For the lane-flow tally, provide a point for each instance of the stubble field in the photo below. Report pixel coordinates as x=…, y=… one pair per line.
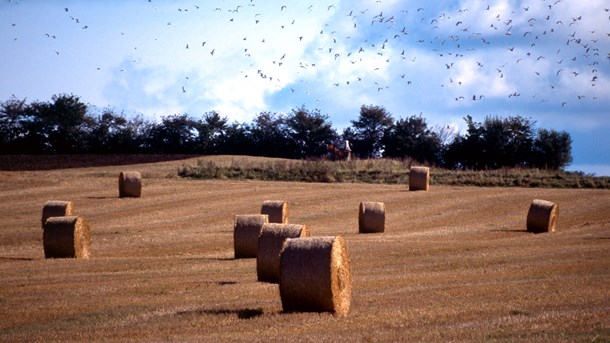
x=454, y=264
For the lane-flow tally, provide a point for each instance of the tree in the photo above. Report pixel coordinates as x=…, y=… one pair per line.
x=269, y=135
x=113, y=133
x=211, y=130
x=12, y=132
x=552, y=149
x=495, y=143
x=411, y=137
x=174, y=135
x=237, y=140
x=56, y=127
x=367, y=132
x=508, y=141
x=309, y=132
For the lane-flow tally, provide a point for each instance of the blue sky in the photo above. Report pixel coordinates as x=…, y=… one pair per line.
x=547, y=60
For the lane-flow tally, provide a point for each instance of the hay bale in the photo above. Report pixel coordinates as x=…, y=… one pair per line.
x=246, y=230
x=419, y=179
x=66, y=237
x=130, y=184
x=277, y=211
x=56, y=208
x=371, y=217
x=315, y=275
x=542, y=216
x=270, y=244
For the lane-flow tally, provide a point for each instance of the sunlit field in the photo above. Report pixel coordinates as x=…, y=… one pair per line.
x=454, y=264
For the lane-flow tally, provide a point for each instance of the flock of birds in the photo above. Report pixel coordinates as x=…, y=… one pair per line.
x=371, y=43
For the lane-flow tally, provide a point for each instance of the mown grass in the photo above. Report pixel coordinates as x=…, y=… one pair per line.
x=454, y=264
x=383, y=171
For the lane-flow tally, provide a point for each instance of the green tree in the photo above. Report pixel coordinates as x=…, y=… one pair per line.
x=269, y=136
x=552, y=149
x=237, y=140
x=113, y=133
x=211, y=131
x=12, y=133
x=495, y=143
x=58, y=126
x=176, y=134
x=367, y=132
x=411, y=137
x=508, y=141
x=309, y=132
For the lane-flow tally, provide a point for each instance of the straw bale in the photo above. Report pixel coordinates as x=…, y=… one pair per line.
x=130, y=184
x=315, y=275
x=270, y=244
x=56, y=208
x=67, y=237
x=542, y=216
x=246, y=230
x=419, y=179
x=277, y=211
x=371, y=217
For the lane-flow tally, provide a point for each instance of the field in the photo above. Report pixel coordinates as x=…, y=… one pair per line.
x=454, y=264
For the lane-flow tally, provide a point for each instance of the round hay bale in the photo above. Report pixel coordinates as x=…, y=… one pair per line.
x=371, y=217
x=315, y=275
x=67, y=237
x=277, y=211
x=270, y=244
x=130, y=184
x=542, y=216
x=56, y=208
x=419, y=179
x=246, y=230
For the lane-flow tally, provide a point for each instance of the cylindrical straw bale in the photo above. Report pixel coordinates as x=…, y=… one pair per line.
x=371, y=217
x=67, y=237
x=270, y=244
x=419, y=179
x=130, y=184
x=542, y=216
x=277, y=211
x=56, y=208
x=245, y=234
x=315, y=275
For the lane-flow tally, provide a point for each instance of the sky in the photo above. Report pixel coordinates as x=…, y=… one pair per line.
x=548, y=60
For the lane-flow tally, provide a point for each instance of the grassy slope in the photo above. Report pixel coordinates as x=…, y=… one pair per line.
x=454, y=263
x=379, y=171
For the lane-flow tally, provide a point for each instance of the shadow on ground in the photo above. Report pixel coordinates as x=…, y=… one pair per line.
x=246, y=313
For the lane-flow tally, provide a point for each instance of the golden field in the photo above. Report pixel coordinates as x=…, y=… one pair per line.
x=454, y=263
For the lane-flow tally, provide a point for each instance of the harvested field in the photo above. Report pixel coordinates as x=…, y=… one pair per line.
x=454, y=263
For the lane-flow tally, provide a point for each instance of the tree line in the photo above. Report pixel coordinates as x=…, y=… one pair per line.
x=65, y=125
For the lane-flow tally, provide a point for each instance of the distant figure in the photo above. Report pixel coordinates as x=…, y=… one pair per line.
x=339, y=150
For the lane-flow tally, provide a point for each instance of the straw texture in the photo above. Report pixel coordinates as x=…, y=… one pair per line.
x=542, y=216
x=315, y=275
x=246, y=230
x=67, y=237
x=277, y=211
x=56, y=208
x=371, y=217
x=270, y=244
x=419, y=179
x=130, y=184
